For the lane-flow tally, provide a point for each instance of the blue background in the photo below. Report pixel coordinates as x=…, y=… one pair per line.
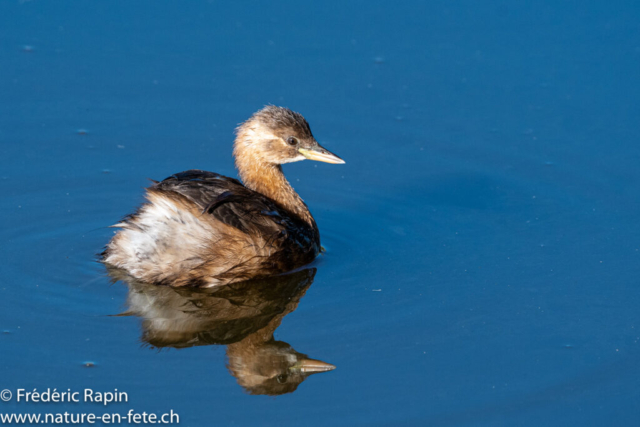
x=483, y=238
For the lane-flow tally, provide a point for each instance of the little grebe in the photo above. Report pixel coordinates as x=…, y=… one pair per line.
x=203, y=229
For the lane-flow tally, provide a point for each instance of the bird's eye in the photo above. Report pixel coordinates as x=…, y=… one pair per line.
x=292, y=140
x=282, y=378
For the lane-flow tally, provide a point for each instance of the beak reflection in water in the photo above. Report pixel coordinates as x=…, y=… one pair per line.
x=243, y=316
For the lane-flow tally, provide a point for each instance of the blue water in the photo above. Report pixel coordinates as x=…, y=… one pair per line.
x=483, y=238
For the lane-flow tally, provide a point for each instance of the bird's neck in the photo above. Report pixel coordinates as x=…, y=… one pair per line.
x=268, y=179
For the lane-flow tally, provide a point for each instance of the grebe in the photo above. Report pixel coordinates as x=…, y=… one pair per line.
x=203, y=229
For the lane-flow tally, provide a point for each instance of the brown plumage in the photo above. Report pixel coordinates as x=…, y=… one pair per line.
x=203, y=229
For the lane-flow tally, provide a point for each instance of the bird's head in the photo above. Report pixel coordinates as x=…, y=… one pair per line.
x=277, y=135
x=272, y=368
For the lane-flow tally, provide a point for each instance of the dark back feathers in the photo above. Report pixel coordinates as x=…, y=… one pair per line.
x=230, y=202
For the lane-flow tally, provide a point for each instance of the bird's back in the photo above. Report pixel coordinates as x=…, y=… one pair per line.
x=202, y=228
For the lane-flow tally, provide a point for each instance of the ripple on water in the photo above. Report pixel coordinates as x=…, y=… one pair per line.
x=52, y=249
x=64, y=228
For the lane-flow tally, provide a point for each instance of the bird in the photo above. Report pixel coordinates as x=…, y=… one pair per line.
x=243, y=316
x=203, y=229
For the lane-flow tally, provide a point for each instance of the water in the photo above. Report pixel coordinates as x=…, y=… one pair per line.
x=482, y=240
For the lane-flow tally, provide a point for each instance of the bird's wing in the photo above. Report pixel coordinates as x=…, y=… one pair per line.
x=201, y=187
x=230, y=202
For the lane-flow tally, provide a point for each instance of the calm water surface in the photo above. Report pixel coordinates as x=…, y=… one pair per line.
x=483, y=242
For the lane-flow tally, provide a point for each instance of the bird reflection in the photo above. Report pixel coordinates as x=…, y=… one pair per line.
x=243, y=316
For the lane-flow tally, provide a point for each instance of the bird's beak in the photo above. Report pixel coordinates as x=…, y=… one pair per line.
x=312, y=366
x=320, y=154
